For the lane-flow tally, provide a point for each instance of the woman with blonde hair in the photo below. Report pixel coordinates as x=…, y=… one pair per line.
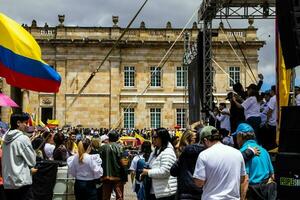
x=85, y=168
x=187, y=138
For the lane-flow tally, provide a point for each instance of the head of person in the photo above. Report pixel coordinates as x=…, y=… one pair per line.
x=84, y=146
x=238, y=87
x=222, y=106
x=209, y=136
x=146, y=149
x=160, y=139
x=229, y=96
x=197, y=127
x=59, y=139
x=96, y=142
x=266, y=95
x=48, y=136
x=187, y=138
x=113, y=136
x=243, y=133
x=72, y=136
x=19, y=121
x=273, y=90
x=252, y=90
x=104, y=139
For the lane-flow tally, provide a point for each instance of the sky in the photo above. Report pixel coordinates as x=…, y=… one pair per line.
x=156, y=13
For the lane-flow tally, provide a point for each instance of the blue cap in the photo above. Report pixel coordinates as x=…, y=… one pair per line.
x=243, y=128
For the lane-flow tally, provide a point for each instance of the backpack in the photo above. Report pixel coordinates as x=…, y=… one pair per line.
x=140, y=165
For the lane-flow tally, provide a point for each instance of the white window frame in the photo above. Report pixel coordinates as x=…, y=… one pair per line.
x=181, y=76
x=128, y=117
x=155, y=76
x=181, y=117
x=129, y=76
x=235, y=74
x=155, y=117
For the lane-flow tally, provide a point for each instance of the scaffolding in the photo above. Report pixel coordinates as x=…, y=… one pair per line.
x=225, y=9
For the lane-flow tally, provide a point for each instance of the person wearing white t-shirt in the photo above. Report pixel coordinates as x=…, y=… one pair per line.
x=49, y=145
x=220, y=169
x=271, y=120
x=224, y=117
x=251, y=107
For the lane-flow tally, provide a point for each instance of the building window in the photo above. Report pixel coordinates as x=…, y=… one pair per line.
x=180, y=117
x=129, y=76
x=155, y=76
x=155, y=117
x=234, y=73
x=128, y=117
x=181, y=76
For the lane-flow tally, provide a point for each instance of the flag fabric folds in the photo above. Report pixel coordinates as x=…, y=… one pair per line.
x=20, y=59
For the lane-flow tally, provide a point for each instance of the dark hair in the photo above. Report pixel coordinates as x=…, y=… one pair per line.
x=223, y=104
x=113, y=136
x=146, y=149
x=165, y=138
x=273, y=88
x=59, y=139
x=254, y=92
x=15, y=117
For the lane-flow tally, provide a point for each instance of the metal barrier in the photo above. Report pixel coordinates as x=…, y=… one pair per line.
x=64, y=187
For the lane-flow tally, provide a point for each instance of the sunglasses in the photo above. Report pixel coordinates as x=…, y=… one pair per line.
x=154, y=136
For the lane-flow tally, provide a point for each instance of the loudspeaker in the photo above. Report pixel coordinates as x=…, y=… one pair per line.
x=288, y=21
x=287, y=174
x=289, y=140
x=195, y=81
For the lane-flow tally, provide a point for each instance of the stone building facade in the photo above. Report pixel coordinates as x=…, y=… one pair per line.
x=117, y=96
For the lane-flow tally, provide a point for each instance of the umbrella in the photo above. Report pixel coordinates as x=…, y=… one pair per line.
x=7, y=101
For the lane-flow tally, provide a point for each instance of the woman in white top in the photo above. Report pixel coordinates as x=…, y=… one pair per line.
x=164, y=186
x=85, y=168
x=251, y=107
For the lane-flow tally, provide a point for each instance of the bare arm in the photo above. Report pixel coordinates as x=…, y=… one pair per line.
x=244, y=186
x=199, y=182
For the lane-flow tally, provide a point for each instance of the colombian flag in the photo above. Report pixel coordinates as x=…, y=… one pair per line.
x=20, y=59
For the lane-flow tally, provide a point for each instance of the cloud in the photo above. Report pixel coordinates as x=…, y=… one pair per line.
x=155, y=14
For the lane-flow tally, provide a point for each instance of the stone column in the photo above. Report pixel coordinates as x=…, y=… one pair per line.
x=60, y=99
x=115, y=81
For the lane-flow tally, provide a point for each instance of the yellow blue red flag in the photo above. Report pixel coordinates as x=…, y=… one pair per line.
x=20, y=59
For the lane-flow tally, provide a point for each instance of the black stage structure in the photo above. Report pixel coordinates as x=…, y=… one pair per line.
x=221, y=9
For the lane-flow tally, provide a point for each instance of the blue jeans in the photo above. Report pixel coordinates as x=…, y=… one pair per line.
x=85, y=190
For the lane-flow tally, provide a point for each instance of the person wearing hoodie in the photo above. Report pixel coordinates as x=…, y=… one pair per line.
x=18, y=159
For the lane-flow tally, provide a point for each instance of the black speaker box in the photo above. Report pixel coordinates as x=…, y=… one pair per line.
x=288, y=20
x=287, y=174
x=289, y=140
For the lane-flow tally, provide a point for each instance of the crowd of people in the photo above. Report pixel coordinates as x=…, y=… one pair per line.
x=226, y=159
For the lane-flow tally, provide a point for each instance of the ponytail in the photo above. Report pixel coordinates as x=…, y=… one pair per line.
x=82, y=148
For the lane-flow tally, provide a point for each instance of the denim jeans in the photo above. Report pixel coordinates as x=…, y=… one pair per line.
x=85, y=190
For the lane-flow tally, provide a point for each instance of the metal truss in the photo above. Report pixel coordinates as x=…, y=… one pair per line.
x=230, y=9
x=262, y=12
x=207, y=68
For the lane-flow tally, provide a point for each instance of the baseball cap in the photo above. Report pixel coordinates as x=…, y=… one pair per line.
x=207, y=131
x=243, y=128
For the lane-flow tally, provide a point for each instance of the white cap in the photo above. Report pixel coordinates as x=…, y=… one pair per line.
x=103, y=137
